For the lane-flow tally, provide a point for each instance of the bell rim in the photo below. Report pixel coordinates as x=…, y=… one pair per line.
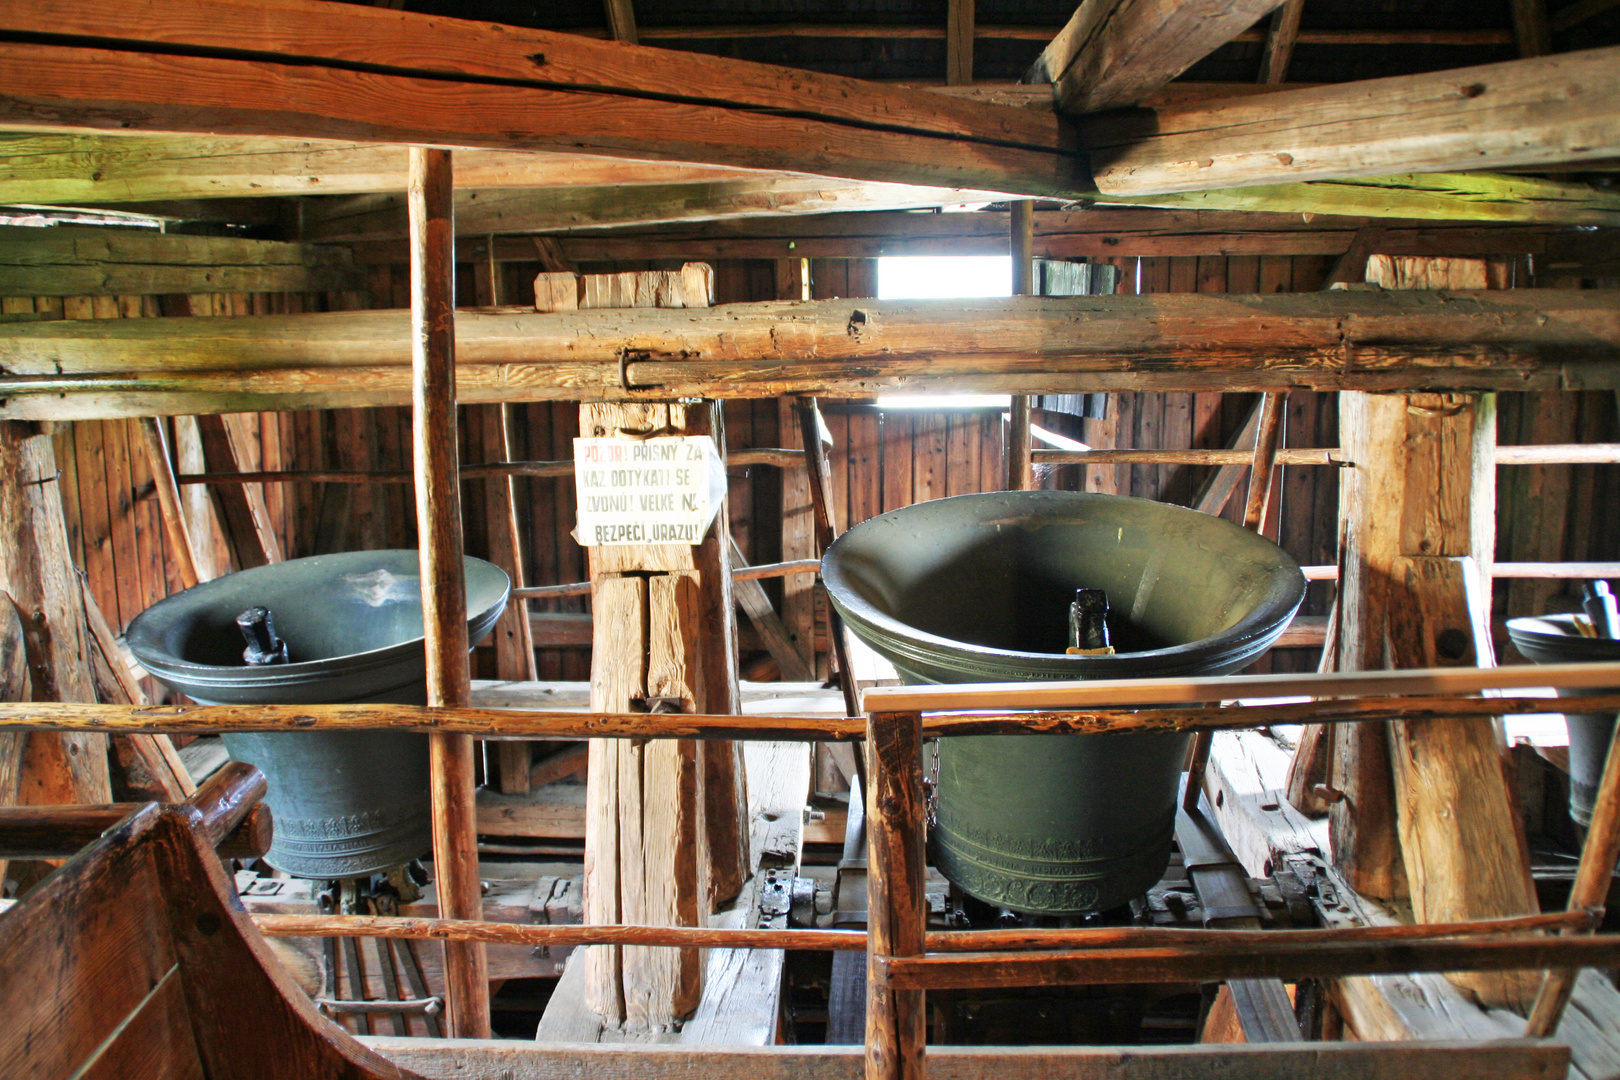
x=912, y=646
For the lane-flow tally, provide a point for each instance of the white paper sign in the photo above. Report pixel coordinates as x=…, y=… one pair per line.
x=651, y=491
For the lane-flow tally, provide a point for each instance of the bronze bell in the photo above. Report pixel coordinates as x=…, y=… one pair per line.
x=329, y=629
x=1555, y=639
x=978, y=588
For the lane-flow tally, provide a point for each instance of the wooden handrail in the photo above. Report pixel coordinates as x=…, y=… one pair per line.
x=1114, y=693
x=502, y=933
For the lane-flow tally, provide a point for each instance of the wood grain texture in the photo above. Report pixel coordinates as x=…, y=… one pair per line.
x=1519, y=339
x=444, y=595
x=663, y=105
x=895, y=1019
x=1521, y=112
x=1114, y=53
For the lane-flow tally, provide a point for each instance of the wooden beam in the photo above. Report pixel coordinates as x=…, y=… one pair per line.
x=1441, y=196
x=290, y=73
x=1522, y=112
x=242, y=509
x=83, y=261
x=959, y=38
x=155, y=438
x=555, y=209
x=1531, y=31
x=77, y=170
x=1280, y=40
x=1574, y=14
x=444, y=591
x=896, y=1021
x=1516, y=339
x=1114, y=53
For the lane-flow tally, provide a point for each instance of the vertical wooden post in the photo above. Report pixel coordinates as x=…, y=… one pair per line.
x=1419, y=502
x=656, y=836
x=444, y=589
x=1021, y=243
x=514, y=640
x=896, y=1028
x=959, y=36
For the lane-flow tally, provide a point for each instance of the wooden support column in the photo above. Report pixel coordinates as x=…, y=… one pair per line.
x=1021, y=243
x=826, y=521
x=663, y=828
x=444, y=588
x=895, y=1019
x=798, y=542
x=14, y=686
x=1418, y=503
x=36, y=571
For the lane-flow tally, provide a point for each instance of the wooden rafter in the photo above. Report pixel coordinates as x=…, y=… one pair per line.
x=1114, y=53
x=1281, y=38
x=1520, y=112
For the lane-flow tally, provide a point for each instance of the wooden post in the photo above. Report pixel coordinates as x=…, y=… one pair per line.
x=895, y=1019
x=444, y=591
x=1419, y=502
x=826, y=522
x=663, y=817
x=1021, y=243
x=14, y=686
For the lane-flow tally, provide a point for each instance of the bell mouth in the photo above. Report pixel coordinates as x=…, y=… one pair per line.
x=976, y=587
x=1555, y=639
x=353, y=622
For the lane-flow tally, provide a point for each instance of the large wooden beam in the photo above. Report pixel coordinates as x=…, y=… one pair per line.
x=69, y=169
x=1522, y=112
x=1518, y=339
x=293, y=72
x=69, y=261
x=517, y=210
x=1102, y=232
x=1114, y=53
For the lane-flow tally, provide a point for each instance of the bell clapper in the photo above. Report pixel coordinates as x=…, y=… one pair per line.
x=263, y=646
x=1088, y=626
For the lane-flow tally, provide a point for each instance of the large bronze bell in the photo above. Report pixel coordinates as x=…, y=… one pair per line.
x=1554, y=639
x=346, y=804
x=977, y=588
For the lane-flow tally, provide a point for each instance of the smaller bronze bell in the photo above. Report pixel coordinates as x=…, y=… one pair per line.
x=346, y=804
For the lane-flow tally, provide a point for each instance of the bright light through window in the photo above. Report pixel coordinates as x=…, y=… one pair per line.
x=943, y=277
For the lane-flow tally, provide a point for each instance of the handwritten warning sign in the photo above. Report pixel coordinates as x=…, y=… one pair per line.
x=653, y=491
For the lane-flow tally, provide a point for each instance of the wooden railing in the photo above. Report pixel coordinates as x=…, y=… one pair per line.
x=903, y=959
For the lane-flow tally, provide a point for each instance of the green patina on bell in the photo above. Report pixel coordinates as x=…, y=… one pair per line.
x=978, y=588
x=1554, y=639
x=345, y=804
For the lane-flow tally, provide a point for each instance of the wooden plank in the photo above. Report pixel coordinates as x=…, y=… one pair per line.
x=1456, y=1060
x=1521, y=112
x=15, y=685
x=243, y=512
x=1114, y=53
x=798, y=542
x=444, y=601
x=621, y=17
